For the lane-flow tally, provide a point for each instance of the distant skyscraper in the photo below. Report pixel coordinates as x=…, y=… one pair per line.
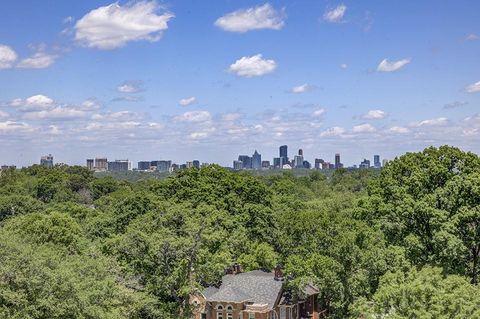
x=318, y=163
x=298, y=161
x=338, y=163
x=164, y=166
x=277, y=162
x=101, y=164
x=306, y=164
x=265, y=164
x=300, y=152
x=376, y=161
x=47, y=160
x=364, y=164
x=284, y=151
x=256, y=160
x=384, y=162
x=119, y=166
x=90, y=164
x=237, y=165
x=246, y=160
x=196, y=163
x=143, y=165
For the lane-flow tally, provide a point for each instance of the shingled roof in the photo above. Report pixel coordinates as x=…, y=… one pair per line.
x=258, y=287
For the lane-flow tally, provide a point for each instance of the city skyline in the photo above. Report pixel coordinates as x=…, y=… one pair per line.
x=197, y=80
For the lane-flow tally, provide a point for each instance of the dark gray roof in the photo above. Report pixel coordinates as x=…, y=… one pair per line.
x=209, y=291
x=256, y=286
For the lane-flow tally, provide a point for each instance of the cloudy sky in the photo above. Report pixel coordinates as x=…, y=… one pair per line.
x=209, y=80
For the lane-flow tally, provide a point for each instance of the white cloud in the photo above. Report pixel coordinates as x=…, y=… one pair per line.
x=391, y=66
x=130, y=87
x=4, y=115
x=121, y=116
x=318, y=113
x=187, y=101
x=439, y=121
x=301, y=88
x=198, y=135
x=333, y=131
x=336, y=14
x=11, y=126
x=39, y=60
x=253, y=66
x=89, y=105
x=260, y=17
x=230, y=117
x=472, y=37
x=343, y=65
x=194, y=116
x=57, y=113
x=375, y=115
x=112, y=26
x=7, y=57
x=398, y=130
x=33, y=103
x=363, y=128
x=473, y=88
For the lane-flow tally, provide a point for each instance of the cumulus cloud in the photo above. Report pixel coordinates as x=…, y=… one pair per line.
x=398, y=130
x=318, y=113
x=113, y=26
x=391, y=66
x=187, y=101
x=375, y=115
x=123, y=116
x=363, y=128
x=260, y=17
x=472, y=37
x=7, y=57
x=89, y=105
x=333, y=131
x=473, y=88
x=4, y=115
x=336, y=14
x=57, y=113
x=301, y=88
x=194, y=116
x=33, y=103
x=39, y=60
x=439, y=121
x=12, y=126
x=343, y=65
x=250, y=66
x=230, y=117
x=130, y=87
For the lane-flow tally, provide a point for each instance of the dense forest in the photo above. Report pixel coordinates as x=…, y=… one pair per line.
x=404, y=243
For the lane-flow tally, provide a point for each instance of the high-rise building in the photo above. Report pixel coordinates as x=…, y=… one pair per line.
x=119, y=166
x=338, y=163
x=101, y=164
x=189, y=164
x=284, y=151
x=256, y=160
x=265, y=164
x=277, y=162
x=300, y=152
x=246, y=160
x=384, y=162
x=143, y=165
x=298, y=161
x=196, y=163
x=47, y=160
x=318, y=163
x=306, y=164
x=237, y=165
x=90, y=164
x=376, y=161
x=364, y=164
x=164, y=166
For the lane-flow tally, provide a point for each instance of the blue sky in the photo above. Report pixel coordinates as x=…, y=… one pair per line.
x=209, y=80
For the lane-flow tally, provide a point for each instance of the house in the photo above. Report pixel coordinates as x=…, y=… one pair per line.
x=255, y=294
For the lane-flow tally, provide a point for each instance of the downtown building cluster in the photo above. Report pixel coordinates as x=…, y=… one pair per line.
x=297, y=162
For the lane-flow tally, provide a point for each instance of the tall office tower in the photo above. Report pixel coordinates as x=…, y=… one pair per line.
x=265, y=164
x=164, y=166
x=307, y=165
x=298, y=161
x=376, y=161
x=338, y=164
x=47, y=160
x=196, y=163
x=119, y=166
x=90, y=164
x=318, y=163
x=300, y=152
x=384, y=162
x=276, y=162
x=101, y=164
x=237, y=165
x=256, y=160
x=365, y=163
x=143, y=165
x=246, y=160
x=189, y=164
x=284, y=151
